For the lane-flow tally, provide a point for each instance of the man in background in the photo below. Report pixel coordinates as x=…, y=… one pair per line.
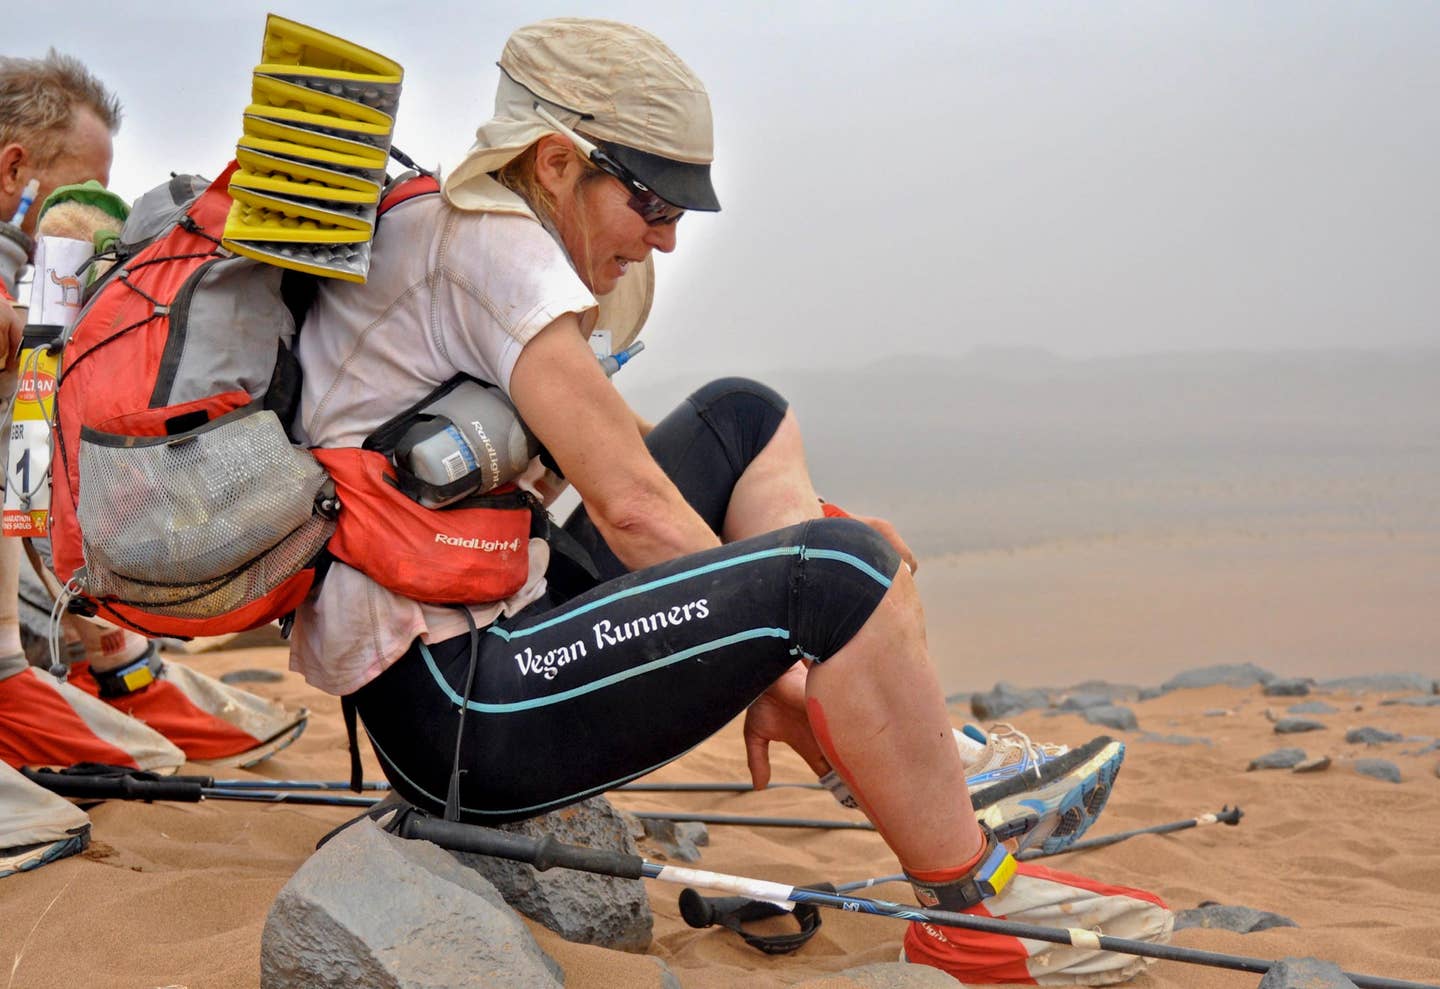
x=56, y=121
x=56, y=124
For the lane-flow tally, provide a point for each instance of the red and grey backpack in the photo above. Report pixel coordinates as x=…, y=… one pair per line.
x=180, y=505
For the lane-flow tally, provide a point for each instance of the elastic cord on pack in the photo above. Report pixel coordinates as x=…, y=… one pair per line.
x=59, y=662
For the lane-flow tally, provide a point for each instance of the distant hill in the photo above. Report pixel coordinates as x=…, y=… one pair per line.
x=1013, y=446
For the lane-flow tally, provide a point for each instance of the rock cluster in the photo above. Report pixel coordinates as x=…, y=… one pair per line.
x=1099, y=703
x=372, y=909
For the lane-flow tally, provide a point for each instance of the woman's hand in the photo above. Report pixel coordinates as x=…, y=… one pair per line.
x=778, y=715
x=892, y=536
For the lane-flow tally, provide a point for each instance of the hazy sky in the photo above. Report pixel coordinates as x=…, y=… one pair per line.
x=927, y=178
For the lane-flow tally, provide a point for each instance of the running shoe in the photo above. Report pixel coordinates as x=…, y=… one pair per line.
x=1005, y=751
x=1050, y=808
x=989, y=758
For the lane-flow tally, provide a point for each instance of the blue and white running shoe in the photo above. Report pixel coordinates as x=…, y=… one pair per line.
x=1049, y=807
x=1003, y=752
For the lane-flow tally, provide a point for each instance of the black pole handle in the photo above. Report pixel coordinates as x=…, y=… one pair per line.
x=116, y=787
x=542, y=853
x=705, y=911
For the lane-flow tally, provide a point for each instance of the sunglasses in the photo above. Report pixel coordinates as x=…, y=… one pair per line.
x=643, y=200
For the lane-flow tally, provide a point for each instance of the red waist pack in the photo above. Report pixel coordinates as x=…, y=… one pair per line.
x=474, y=551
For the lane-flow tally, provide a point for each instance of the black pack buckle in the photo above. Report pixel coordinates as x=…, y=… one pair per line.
x=735, y=911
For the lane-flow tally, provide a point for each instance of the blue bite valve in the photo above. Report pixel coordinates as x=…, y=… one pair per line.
x=615, y=362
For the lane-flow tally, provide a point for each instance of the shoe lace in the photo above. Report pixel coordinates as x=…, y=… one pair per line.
x=1009, y=739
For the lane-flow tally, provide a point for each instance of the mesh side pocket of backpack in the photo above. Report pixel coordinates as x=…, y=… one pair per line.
x=199, y=524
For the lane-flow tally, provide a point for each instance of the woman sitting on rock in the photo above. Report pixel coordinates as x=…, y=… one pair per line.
x=723, y=586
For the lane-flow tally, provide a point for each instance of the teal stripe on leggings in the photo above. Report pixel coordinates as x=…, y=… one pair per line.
x=801, y=551
x=736, y=561
x=857, y=563
x=565, y=695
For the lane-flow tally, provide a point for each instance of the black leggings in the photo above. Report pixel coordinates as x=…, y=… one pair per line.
x=571, y=699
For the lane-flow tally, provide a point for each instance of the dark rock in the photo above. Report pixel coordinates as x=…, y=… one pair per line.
x=1293, y=726
x=1006, y=699
x=1311, y=707
x=1111, y=691
x=1434, y=746
x=884, y=975
x=1218, y=712
x=369, y=909
x=1218, y=916
x=1229, y=675
x=633, y=825
x=1380, y=769
x=579, y=906
x=674, y=840
x=1382, y=683
x=1420, y=700
x=1151, y=736
x=1150, y=693
x=1305, y=973
x=1112, y=716
x=1279, y=759
x=252, y=676
x=1291, y=687
x=1371, y=736
x=1081, y=702
x=1315, y=765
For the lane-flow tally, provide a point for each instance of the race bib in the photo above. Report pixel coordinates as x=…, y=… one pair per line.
x=27, y=467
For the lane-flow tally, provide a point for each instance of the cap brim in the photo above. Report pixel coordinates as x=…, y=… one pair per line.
x=679, y=183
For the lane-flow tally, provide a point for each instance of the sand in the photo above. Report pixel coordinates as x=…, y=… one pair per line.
x=176, y=894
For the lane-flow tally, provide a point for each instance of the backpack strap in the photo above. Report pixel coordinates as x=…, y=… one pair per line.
x=407, y=189
x=357, y=772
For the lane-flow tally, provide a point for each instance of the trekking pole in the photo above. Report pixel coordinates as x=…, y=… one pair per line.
x=100, y=770
x=1229, y=815
x=370, y=785
x=1226, y=815
x=1004, y=831
x=736, y=787
x=546, y=853
x=288, y=797
x=181, y=789
x=755, y=822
